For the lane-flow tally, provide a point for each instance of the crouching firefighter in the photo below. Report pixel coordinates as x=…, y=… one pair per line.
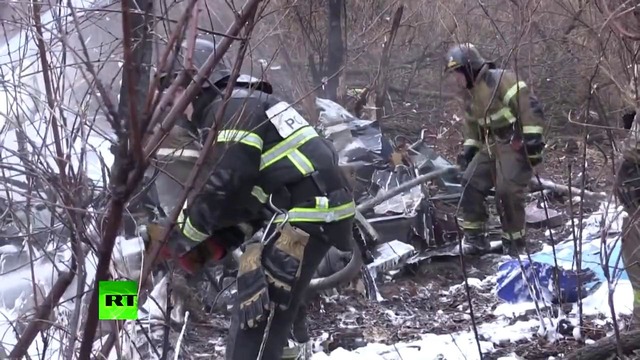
x=503, y=130
x=627, y=189
x=268, y=165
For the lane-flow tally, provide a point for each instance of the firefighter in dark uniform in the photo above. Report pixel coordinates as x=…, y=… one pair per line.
x=503, y=130
x=266, y=157
x=627, y=189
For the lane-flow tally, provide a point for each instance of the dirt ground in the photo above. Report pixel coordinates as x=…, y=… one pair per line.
x=418, y=300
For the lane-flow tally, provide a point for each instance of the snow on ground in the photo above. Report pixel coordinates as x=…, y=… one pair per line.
x=16, y=293
x=463, y=345
x=507, y=325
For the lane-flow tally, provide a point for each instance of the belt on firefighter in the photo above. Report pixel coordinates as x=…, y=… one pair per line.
x=322, y=209
x=316, y=198
x=502, y=134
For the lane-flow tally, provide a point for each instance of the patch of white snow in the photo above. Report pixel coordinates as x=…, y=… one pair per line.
x=461, y=346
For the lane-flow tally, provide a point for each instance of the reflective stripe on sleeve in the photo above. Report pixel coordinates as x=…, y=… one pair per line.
x=472, y=142
x=241, y=136
x=532, y=129
x=513, y=91
x=178, y=153
x=188, y=230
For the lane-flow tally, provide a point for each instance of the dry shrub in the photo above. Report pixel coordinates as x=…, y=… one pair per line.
x=559, y=47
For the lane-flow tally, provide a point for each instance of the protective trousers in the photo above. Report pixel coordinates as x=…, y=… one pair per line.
x=628, y=191
x=333, y=261
x=509, y=171
x=244, y=344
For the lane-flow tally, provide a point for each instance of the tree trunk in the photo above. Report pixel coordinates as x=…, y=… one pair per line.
x=606, y=348
x=335, y=48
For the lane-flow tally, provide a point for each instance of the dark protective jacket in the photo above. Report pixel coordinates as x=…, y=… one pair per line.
x=264, y=147
x=496, y=101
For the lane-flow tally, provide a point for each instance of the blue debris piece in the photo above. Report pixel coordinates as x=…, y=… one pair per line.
x=542, y=274
x=542, y=278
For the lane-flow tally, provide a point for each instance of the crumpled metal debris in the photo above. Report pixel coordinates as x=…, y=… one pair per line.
x=377, y=165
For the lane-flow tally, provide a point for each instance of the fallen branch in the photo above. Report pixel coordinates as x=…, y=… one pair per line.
x=41, y=319
x=606, y=348
x=536, y=183
x=382, y=196
x=565, y=190
x=181, y=336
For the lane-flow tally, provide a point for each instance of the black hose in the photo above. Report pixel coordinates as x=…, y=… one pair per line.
x=346, y=274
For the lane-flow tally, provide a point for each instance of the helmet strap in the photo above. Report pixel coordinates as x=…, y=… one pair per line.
x=468, y=75
x=472, y=75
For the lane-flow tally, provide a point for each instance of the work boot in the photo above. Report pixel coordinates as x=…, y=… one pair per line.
x=300, y=330
x=475, y=242
x=513, y=247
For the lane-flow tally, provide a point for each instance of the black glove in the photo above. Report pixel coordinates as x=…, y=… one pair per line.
x=253, y=291
x=534, y=146
x=470, y=152
x=467, y=154
x=283, y=263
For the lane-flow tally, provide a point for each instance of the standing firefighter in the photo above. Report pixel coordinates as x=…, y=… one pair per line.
x=503, y=139
x=268, y=164
x=627, y=188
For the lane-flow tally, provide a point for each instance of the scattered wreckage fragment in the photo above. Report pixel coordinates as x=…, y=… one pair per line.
x=414, y=217
x=420, y=221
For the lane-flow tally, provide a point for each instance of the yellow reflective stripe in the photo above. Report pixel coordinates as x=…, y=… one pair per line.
x=322, y=202
x=190, y=231
x=636, y=297
x=515, y=235
x=473, y=225
x=513, y=91
x=260, y=194
x=241, y=136
x=535, y=156
x=472, y=142
x=532, y=129
x=504, y=113
x=301, y=162
x=286, y=146
x=333, y=214
x=178, y=153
